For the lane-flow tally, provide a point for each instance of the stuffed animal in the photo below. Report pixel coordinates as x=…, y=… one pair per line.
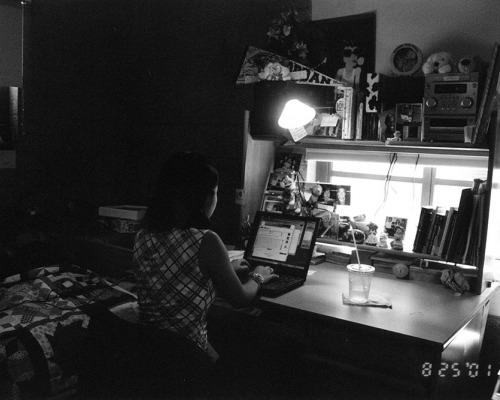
x=291, y=196
x=274, y=71
x=438, y=63
x=468, y=64
x=316, y=191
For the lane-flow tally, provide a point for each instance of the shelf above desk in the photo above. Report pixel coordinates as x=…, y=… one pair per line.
x=374, y=249
x=462, y=149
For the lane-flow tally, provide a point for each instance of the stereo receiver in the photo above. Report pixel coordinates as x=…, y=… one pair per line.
x=450, y=103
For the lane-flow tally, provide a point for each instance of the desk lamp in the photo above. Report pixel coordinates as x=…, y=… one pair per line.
x=296, y=114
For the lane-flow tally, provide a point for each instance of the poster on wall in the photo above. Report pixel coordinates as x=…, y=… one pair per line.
x=343, y=48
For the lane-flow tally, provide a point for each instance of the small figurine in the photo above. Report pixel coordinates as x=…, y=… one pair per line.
x=397, y=243
x=382, y=241
x=390, y=126
x=372, y=239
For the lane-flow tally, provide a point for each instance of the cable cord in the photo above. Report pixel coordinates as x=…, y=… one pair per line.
x=393, y=158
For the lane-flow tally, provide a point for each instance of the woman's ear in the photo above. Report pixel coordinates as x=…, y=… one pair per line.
x=360, y=61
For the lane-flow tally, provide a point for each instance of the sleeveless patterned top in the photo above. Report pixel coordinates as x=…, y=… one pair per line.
x=172, y=292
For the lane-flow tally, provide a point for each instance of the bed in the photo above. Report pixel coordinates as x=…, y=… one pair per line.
x=44, y=316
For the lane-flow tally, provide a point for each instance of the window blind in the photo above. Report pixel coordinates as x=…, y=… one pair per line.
x=425, y=159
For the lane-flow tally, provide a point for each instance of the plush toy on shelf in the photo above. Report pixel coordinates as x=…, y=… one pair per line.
x=291, y=196
x=316, y=191
x=438, y=63
x=274, y=71
x=468, y=64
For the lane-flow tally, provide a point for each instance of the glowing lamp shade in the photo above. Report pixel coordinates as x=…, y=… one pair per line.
x=296, y=114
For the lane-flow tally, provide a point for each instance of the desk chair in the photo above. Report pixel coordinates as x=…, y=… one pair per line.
x=129, y=361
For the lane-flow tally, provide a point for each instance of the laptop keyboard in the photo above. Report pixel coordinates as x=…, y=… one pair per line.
x=281, y=282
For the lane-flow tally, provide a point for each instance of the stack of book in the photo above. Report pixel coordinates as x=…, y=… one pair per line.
x=434, y=230
x=453, y=234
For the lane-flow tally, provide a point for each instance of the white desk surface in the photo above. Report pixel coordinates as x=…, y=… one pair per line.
x=422, y=311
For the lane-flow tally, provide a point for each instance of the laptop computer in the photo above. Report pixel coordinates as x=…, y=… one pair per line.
x=286, y=244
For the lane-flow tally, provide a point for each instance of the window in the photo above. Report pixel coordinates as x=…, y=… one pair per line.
x=398, y=185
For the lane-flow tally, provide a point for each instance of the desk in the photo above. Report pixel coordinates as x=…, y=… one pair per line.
x=429, y=341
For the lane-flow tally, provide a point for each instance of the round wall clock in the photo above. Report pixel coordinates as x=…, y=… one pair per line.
x=406, y=59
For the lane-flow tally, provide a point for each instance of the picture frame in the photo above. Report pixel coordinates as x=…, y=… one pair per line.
x=391, y=222
x=270, y=204
x=409, y=119
x=325, y=123
x=331, y=196
x=484, y=114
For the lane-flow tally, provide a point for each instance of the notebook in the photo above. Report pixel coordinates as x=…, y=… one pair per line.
x=286, y=244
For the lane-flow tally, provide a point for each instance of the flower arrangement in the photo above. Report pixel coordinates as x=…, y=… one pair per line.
x=285, y=36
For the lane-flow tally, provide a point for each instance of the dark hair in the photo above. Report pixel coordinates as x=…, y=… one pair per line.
x=186, y=180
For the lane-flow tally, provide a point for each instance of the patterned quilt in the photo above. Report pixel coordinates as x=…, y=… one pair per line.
x=43, y=318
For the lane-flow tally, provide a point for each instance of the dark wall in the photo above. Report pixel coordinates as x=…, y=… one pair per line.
x=112, y=87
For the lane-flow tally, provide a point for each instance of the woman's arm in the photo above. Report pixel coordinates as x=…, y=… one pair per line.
x=214, y=260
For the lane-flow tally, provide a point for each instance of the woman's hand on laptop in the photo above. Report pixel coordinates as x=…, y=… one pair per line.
x=266, y=272
x=241, y=267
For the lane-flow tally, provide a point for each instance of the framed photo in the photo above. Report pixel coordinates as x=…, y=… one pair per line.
x=392, y=222
x=325, y=123
x=272, y=205
x=484, y=113
x=409, y=121
x=332, y=195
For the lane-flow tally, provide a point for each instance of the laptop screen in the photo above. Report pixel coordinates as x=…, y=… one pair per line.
x=282, y=240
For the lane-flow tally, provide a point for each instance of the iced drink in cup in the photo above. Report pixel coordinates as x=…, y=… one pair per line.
x=360, y=279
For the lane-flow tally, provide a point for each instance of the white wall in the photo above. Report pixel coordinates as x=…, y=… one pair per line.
x=461, y=27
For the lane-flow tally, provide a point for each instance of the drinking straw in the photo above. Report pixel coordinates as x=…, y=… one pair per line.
x=355, y=247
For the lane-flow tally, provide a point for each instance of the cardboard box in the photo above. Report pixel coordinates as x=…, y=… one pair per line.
x=124, y=225
x=134, y=213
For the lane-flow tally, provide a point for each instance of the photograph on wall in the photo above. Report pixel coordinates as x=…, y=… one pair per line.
x=409, y=120
x=391, y=223
x=342, y=48
x=331, y=195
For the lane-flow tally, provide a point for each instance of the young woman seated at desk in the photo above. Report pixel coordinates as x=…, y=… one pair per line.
x=181, y=262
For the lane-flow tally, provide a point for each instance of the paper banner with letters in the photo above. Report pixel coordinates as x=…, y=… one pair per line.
x=260, y=65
